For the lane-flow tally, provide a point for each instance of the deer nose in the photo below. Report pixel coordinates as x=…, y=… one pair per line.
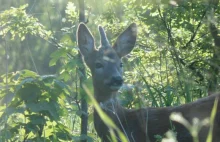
x=117, y=80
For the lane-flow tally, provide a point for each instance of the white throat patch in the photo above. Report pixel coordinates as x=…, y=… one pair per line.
x=108, y=105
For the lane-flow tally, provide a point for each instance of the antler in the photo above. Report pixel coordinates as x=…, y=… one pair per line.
x=104, y=40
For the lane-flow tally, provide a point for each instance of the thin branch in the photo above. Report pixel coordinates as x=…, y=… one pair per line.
x=173, y=52
x=195, y=32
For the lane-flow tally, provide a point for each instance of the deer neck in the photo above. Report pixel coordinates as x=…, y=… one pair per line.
x=107, y=100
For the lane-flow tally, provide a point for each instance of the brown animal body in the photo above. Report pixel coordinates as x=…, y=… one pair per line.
x=138, y=125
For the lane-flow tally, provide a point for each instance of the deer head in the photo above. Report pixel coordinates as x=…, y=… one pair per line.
x=105, y=62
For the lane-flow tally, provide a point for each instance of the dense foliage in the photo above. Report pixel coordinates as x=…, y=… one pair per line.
x=175, y=61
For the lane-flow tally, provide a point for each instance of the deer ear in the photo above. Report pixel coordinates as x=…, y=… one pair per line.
x=126, y=41
x=85, y=40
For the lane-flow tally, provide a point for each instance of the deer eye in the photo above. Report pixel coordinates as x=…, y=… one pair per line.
x=121, y=65
x=98, y=65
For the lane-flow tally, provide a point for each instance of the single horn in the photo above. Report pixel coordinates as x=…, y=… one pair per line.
x=104, y=40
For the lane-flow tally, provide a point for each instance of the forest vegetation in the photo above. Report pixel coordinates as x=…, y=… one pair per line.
x=175, y=61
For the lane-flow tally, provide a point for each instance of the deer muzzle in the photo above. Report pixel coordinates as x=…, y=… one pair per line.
x=115, y=83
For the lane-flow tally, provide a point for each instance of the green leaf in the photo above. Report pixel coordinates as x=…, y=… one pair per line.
x=53, y=62
x=61, y=52
x=49, y=107
x=36, y=119
x=56, y=55
x=30, y=92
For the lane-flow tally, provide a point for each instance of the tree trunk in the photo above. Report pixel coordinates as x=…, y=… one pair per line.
x=84, y=106
x=215, y=61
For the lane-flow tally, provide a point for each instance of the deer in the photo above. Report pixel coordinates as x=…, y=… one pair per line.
x=138, y=125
